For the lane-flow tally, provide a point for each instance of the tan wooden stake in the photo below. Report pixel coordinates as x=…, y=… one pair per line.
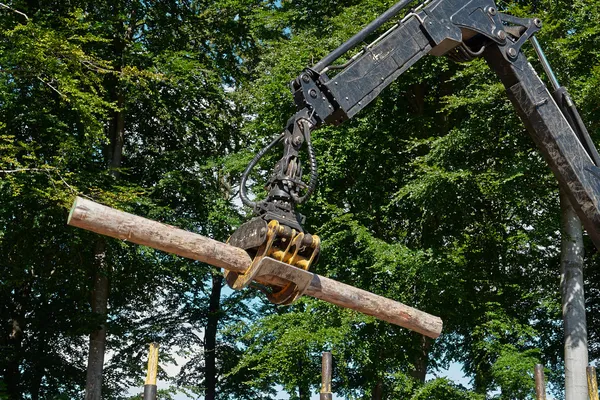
x=540, y=382
x=592, y=383
x=150, y=387
x=107, y=221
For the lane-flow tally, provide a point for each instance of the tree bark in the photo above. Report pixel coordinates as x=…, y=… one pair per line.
x=38, y=372
x=421, y=359
x=100, y=291
x=378, y=391
x=97, y=344
x=573, y=303
x=303, y=392
x=210, y=338
x=13, y=374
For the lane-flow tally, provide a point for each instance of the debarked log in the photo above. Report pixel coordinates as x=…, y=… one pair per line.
x=108, y=221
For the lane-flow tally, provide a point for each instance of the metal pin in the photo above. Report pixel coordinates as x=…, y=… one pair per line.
x=545, y=63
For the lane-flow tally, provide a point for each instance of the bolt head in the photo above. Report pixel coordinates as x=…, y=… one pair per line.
x=501, y=35
x=305, y=78
x=512, y=52
x=538, y=22
x=313, y=93
x=492, y=11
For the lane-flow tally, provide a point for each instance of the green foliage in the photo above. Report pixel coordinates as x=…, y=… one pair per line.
x=69, y=75
x=434, y=196
x=512, y=372
x=442, y=388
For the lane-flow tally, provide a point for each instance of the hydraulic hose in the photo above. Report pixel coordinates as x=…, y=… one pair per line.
x=251, y=166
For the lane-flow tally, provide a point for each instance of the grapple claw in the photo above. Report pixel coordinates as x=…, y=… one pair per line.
x=277, y=250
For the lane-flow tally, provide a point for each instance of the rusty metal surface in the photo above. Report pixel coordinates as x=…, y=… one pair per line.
x=326, y=372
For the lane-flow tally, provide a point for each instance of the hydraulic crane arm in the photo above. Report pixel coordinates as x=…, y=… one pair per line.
x=461, y=30
x=556, y=128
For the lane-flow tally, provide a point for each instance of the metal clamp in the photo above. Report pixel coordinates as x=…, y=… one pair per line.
x=290, y=263
x=239, y=281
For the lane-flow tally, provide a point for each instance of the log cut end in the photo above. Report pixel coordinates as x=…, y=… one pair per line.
x=72, y=211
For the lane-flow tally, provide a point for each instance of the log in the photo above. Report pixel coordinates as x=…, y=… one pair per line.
x=108, y=221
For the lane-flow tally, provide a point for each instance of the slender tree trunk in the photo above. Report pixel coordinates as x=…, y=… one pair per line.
x=210, y=338
x=421, y=359
x=100, y=291
x=303, y=393
x=97, y=345
x=36, y=381
x=378, y=391
x=15, y=340
x=573, y=303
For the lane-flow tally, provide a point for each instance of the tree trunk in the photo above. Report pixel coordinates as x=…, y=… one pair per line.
x=573, y=303
x=100, y=291
x=36, y=381
x=303, y=393
x=97, y=218
x=378, y=391
x=421, y=359
x=97, y=345
x=13, y=374
x=210, y=338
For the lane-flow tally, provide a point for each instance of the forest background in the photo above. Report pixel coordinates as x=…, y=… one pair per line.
x=434, y=196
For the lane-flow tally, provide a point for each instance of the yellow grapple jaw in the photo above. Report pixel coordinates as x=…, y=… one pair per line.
x=277, y=250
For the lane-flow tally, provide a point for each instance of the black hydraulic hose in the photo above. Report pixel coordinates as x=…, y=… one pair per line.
x=360, y=36
x=312, y=185
x=249, y=168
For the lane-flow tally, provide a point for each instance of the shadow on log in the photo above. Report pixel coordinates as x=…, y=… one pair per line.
x=107, y=221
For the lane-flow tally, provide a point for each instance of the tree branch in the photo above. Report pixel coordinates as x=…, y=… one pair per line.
x=46, y=171
x=13, y=171
x=13, y=10
x=50, y=86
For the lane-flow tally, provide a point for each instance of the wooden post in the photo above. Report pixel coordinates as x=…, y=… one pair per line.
x=104, y=220
x=592, y=383
x=150, y=388
x=326, y=372
x=540, y=382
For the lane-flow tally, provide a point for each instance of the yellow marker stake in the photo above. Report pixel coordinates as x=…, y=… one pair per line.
x=150, y=386
x=592, y=383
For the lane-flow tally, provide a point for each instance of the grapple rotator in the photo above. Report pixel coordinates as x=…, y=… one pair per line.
x=275, y=238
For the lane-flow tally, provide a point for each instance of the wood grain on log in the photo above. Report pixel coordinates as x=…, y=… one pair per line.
x=107, y=221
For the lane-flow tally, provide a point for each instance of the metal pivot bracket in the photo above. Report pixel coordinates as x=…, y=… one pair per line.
x=522, y=30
